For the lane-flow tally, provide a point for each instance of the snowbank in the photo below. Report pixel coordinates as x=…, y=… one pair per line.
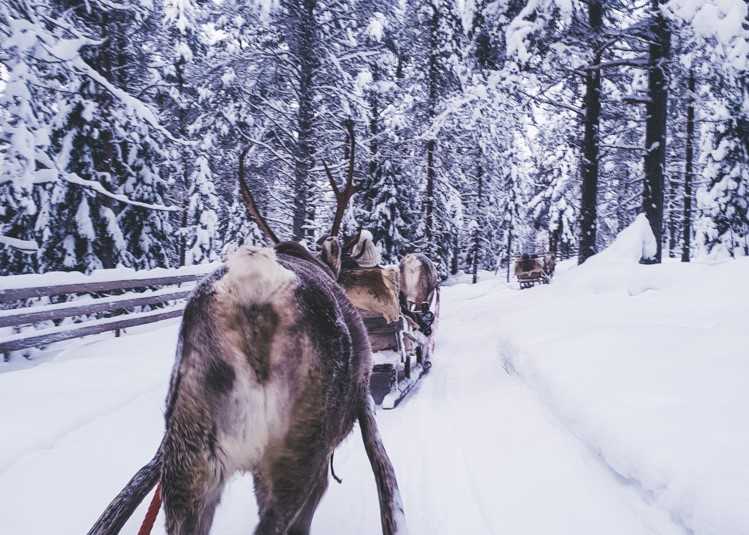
x=634, y=242
x=647, y=365
x=617, y=268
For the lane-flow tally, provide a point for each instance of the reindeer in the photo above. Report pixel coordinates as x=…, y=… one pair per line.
x=549, y=262
x=272, y=371
x=419, y=290
x=530, y=269
x=419, y=279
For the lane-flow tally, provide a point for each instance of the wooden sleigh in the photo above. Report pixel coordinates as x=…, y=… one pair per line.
x=532, y=269
x=401, y=350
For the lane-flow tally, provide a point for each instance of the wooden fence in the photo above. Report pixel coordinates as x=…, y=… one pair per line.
x=168, y=292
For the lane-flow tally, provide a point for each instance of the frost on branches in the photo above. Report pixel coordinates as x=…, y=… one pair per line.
x=202, y=217
x=74, y=141
x=121, y=126
x=236, y=230
x=723, y=225
x=388, y=219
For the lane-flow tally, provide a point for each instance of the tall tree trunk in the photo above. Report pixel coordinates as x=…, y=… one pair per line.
x=655, y=134
x=554, y=236
x=455, y=260
x=108, y=156
x=431, y=143
x=686, y=232
x=429, y=199
x=588, y=205
x=182, y=125
x=374, y=127
x=673, y=210
x=509, y=252
x=305, y=51
x=479, y=220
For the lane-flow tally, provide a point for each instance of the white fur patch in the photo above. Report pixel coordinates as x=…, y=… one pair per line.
x=254, y=275
x=411, y=272
x=261, y=417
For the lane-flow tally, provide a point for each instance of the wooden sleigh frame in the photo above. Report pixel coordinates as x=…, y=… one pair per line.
x=401, y=353
x=533, y=273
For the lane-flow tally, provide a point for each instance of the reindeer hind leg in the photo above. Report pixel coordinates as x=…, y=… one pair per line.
x=290, y=495
x=303, y=522
x=192, y=483
x=194, y=515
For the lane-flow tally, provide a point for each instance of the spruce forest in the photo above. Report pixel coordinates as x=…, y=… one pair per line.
x=374, y=267
x=482, y=129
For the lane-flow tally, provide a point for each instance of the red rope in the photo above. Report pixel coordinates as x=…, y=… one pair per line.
x=152, y=513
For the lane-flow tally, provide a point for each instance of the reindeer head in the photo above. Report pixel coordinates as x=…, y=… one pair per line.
x=330, y=253
x=330, y=245
x=349, y=240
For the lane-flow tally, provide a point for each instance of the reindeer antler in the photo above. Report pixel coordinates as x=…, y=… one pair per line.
x=249, y=201
x=343, y=197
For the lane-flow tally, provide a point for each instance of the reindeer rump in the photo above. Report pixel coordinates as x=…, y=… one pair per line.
x=272, y=370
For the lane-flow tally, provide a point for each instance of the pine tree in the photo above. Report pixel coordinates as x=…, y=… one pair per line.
x=147, y=231
x=18, y=208
x=85, y=233
x=202, y=215
x=552, y=208
x=101, y=143
x=178, y=41
x=724, y=204
x=28, y=79
x=510, y=208
x=389, y=202
x=432, y=31
x=388, y=221
x=478, y=223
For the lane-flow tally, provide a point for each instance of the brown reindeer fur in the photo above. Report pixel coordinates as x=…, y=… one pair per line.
x=373, y=290
x=272, y=370
x=419, y=278
x=330, y=253
x=528, y=267
x=269, y=383
x=549, y=264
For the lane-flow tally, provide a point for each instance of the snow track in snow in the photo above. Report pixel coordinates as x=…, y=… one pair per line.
x=628, y=482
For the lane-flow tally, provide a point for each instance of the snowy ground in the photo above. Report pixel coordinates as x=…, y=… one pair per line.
x=612, y=401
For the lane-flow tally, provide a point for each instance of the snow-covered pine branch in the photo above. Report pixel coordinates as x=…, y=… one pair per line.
x=25, y=246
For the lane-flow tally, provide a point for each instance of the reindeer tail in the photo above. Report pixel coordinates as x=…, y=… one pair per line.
x=391, y=507
x=124, y=504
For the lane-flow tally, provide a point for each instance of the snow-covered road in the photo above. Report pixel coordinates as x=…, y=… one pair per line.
x=478, y=453
x=476, y=450
x=611, y=401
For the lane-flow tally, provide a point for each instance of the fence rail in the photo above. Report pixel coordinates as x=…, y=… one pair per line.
x=161, y=287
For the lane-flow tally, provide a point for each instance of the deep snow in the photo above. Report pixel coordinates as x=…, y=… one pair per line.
x=612, y=401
